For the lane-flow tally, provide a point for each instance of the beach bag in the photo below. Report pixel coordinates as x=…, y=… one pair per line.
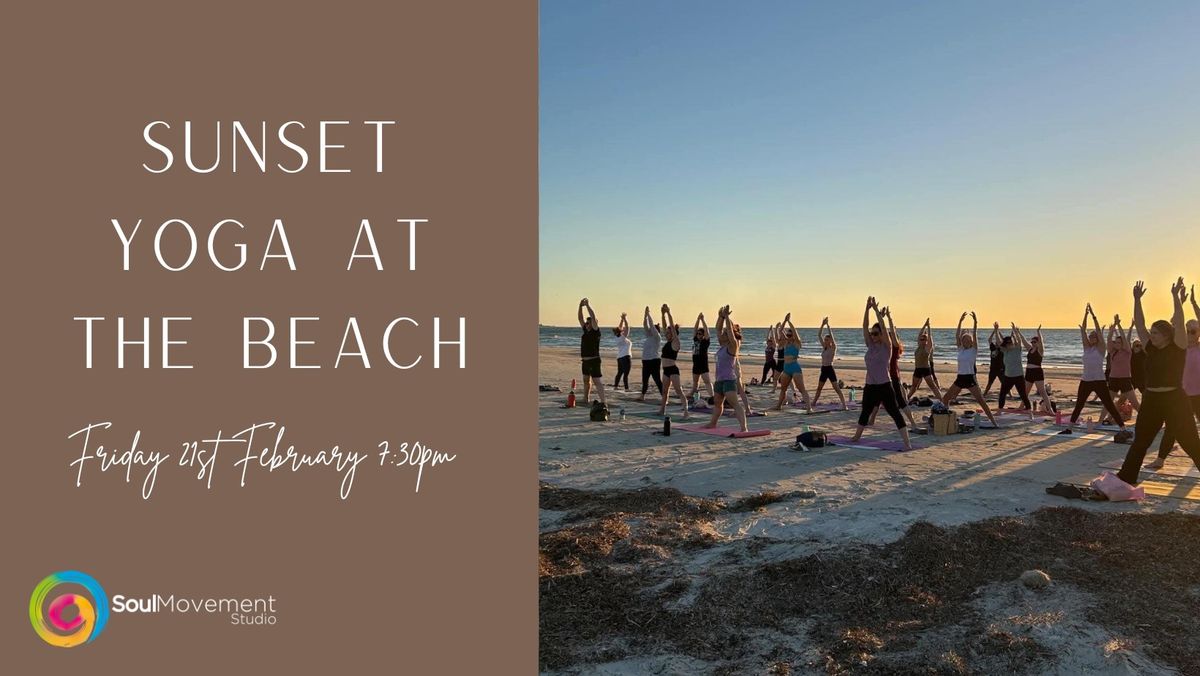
x=943, y=423
x=599, y=412
x=1123, y=437
x=812, y=440
x=1115, y=489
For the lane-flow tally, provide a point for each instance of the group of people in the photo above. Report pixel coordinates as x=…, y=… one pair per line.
x=1156, y=373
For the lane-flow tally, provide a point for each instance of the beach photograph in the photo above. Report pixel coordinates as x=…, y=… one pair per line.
x=868, y=338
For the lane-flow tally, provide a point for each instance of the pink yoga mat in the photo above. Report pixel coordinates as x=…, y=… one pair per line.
x=873, y=444
x=723, y=431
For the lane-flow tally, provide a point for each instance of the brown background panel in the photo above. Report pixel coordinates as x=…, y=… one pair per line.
x=442, y=581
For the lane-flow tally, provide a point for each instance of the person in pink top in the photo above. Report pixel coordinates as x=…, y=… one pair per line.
x=1120, y=366
x=1191, y=382
x=878, y=391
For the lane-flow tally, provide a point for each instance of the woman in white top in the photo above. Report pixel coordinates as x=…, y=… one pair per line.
x=624, y=345
x=968, y=353
x=1093, y=380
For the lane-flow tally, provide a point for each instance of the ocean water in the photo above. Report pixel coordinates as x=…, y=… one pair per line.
x=1062, y=345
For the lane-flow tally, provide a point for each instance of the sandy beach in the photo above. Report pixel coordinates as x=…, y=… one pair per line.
x=769, y=505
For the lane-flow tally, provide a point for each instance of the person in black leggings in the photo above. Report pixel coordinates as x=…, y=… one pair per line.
x=1165, y=403
x=651, y=357
x=769, y=364
x=1093, y=381
x=879, y=390
x=624, y=346
x=1191, y=382
x=700, y=343
x=996, y=366
x=1014, y=370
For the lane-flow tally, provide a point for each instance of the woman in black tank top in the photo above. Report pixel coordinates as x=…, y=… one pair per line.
x=670, y=352
x=700, y=343
x=1034, y=375
x=1165, y=403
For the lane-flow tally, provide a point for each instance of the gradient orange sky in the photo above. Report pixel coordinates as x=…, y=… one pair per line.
x=1019, y=159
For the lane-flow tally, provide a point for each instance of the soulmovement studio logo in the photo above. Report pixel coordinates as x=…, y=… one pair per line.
x=55, y=621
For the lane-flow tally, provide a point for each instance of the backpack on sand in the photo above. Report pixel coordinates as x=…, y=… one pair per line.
x=599, y=412
x=811, y=440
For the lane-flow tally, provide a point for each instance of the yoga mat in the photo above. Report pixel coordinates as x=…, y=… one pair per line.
x=1175, y=469
x=1102, y=428
x=723, y=431
x=1179, y=491
x=832, y=406
x=980, y=422
x=1016, y=411
x=728, y=411
x=1054, y=432
x=870, y=444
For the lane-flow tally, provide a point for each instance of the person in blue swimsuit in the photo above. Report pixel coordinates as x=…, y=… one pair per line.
x=792, y=373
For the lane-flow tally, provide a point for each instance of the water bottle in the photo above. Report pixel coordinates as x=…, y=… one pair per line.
x=804, y=429
x=1058, y=417
x=851, y=395
x=666, y=426
x=622, y=414
x=1091, y=424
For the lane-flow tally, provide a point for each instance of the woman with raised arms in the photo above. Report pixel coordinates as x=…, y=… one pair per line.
x=1035, y=377
x=968, y=352
x=624, y=347
x=1120, y=360
x=1191, y=381
x=793, y=374
x=878, y=390
x=700, y=343
x=670, y=352
x=728, y=382
x=769, y=363
x=828, y=374
x=651, y=359
x=923, y=369
x=1093, y=380
x=894, y=370
x=1013, y=346
x=1164, y=404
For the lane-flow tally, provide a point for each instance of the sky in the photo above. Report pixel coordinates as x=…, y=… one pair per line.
x=1015, y=158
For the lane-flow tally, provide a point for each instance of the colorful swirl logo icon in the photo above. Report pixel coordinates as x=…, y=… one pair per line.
x=49, y=619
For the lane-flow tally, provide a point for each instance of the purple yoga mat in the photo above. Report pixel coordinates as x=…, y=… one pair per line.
x=724, y=431
x=876, y=444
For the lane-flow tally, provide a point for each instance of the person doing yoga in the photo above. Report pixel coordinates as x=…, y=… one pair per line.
x=651, y=356
x=1191, y=381
x=1120, y=360
x=878, y=390
x=996, y=358
x=589, y=353
x=728, y=383
x=968, y=353
x=670, y=352
x=768, y=372
x=624, y=347
x=792, y=373
x=828, y=374
x=894, y=370
x=1093, y=381
x=1164, y=403
x=700, y=343
x=1035, y=377
x=923, y=369
x=1012, y=346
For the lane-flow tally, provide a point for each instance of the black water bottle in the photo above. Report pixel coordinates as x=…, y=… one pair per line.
x=666, y=426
